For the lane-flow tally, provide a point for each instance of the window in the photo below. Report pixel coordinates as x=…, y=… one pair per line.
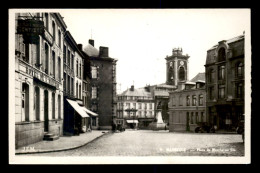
x=59, y=35
x=211, y=76
x=197, y=117
x=134, y=105
x=201, y=117
x=46, y=21
x=53, y=106
x=221, y=72
x=64, y=54
x=127, y=105
x=240, y=69
x=173, y=101
x=72, y=61
x=194, y=100
x=94, y=92
x=59, y=107
x=181, y=73
x=211, y=93
x=180, y=100
x=64, y=82
x=46, y=63
x=191, y=118
x=79, y=91
x=69, y=84
x=188, y=101
x=201, y=100
x=68, y=60
x=53, y=31
x=145, y=106
x=221, y=91
x=94, y=72
x=150, y=105
x=239, y=89
x=72, y=87
x=80, y=70
x=53, y=64
x=139, y=106
x=221, y=54
x=59, y=68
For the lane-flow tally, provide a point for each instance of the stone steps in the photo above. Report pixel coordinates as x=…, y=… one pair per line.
x=50, y=137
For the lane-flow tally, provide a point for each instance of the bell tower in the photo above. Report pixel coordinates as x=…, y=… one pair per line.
x=177, y=67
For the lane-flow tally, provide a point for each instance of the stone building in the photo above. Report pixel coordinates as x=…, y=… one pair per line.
x=135, y=108
x=38, y=77
x=225, y=83
x=187, y=104
x=103, y=84
x=92, y=122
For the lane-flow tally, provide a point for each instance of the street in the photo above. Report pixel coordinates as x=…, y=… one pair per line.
x=159, y=143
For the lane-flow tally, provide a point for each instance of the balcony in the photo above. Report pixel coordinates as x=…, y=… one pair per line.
x=37, y=74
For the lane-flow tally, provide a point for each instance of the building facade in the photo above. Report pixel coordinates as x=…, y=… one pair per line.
x=135, y=108
x=76, y=120
x=92, y=122
x=225, y=83
x=103, y=84
x=38, y=77
x=187, y=105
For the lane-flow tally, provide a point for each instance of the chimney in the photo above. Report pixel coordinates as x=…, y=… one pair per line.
x=80, y=46
x=103, y=51
x=90, y=41
x=132, y=88
x=147, y=88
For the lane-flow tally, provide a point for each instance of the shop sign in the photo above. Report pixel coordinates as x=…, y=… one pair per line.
x=30, y=29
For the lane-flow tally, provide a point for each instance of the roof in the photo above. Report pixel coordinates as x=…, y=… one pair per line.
x=163, y=85
x=137, y=92
x=199, y=77
x=241, y=37
x=91, y=51
x=161, y=93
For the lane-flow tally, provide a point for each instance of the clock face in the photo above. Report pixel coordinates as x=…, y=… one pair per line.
x=181, y=62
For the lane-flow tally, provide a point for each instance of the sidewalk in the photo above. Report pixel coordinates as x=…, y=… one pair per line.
x=63, y=143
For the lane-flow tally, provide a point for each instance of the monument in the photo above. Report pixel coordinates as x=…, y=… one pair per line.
x=158, y=123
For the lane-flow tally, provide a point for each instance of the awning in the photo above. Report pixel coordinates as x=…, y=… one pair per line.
x=132, y=121
x=89, y=112
x=78, y=108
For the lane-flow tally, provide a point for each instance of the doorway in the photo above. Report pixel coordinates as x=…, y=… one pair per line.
x=46, y=115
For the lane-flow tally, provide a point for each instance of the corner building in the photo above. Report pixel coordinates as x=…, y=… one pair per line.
x=225, y=83
x=38, y=81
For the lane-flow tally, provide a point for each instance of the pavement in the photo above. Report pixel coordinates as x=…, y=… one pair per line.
x=62, y=144
x=159, y=143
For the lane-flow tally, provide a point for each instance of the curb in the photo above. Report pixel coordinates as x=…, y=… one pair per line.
x=64, y=149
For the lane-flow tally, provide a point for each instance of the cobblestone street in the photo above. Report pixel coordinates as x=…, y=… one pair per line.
x=159, y=143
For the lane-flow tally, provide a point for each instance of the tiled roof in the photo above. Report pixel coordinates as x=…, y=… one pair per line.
x=141, y=92
x=199, y=76
x=91, y=51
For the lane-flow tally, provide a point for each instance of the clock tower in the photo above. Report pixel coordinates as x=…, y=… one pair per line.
x=176, y=67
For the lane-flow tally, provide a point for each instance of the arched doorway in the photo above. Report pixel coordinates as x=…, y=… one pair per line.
x=37, y=103
x=46, y=113
x=25, y=102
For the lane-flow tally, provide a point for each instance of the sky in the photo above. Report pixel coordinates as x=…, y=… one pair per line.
x=140, y=39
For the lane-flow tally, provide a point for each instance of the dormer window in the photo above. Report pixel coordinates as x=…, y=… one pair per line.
x=221, y=54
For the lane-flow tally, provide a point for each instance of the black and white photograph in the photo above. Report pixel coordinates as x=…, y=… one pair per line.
x=129, y=86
